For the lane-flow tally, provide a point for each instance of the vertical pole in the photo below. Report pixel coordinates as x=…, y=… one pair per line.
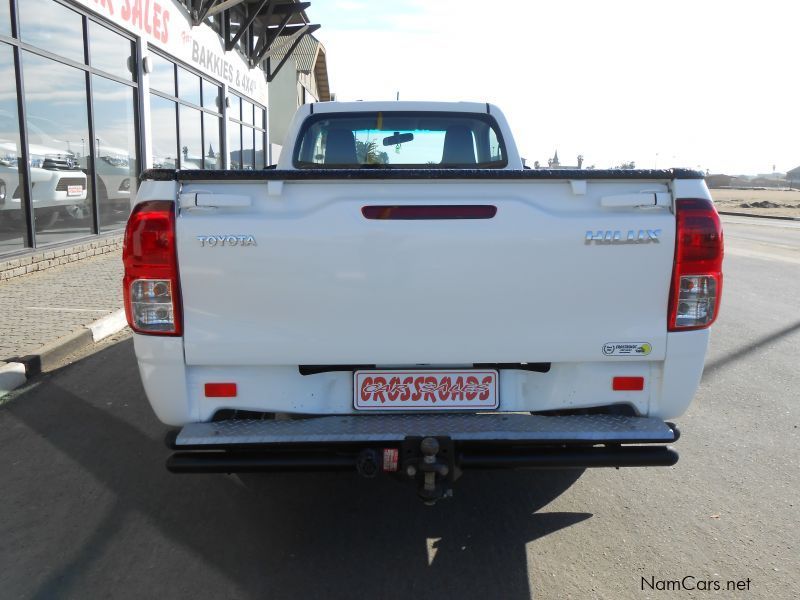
x=223, y=143
x=202, y=127
x=91, y=161
x=140, y=130
x=179, y=155
x=23, y=166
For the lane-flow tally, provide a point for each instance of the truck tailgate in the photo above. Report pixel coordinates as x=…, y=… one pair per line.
x=320, y=284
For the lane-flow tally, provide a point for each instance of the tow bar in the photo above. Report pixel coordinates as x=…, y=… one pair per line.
x=431, y=462
x=431, y=452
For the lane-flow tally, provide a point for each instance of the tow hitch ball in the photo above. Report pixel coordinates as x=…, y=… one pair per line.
x=431, y=461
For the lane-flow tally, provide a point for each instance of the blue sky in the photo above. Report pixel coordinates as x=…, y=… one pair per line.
x=363, y=15
x=707, y=84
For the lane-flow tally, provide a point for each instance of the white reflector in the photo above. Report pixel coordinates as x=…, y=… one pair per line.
x=151, y=305
x=696, y=300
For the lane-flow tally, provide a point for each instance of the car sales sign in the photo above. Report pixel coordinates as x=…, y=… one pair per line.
x=459, y=389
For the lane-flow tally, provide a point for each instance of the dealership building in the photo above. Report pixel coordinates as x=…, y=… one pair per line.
x=96, y=91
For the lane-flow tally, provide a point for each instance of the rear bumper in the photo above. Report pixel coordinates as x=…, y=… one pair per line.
x=474, y=441
x=347, y=459
x=176, y=391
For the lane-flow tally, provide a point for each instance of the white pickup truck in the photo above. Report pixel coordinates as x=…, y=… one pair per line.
x=401, y=296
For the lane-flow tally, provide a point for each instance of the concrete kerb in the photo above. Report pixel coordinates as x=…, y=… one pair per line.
x=741, y=214
x=12, y=375
x=16, y=373
x=108, y=325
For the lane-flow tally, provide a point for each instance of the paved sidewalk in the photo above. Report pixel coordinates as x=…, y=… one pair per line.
x=40, y=308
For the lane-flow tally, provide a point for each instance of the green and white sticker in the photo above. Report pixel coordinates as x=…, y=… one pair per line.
x=627, y=348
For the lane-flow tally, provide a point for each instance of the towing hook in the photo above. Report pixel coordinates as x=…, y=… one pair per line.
x=430, y=462
x=367, y=463
x=434, y=469
x=429, y=448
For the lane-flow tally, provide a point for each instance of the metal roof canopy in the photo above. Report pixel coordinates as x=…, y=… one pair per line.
x=309, y=58
x=271, y=29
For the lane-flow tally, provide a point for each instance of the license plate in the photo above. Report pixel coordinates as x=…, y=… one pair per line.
x=460, y=389
x=74, y=190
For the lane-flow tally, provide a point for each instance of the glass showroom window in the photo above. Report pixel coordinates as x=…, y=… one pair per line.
x=114, y=108
x=58, y=148
x=12, y=214
x=235, y=132
x=80, y=124
x=185, y=114
x=52, y=27
x=246, y=133
x=5, y=18
x=163, y=114
x=115, y=147
x=165, y=133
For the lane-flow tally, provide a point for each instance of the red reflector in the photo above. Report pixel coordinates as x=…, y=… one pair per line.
x=415, y=212
x=628, y=384
x=220, y=390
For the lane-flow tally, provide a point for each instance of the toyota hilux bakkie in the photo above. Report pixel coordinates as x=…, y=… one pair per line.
x=401, y=296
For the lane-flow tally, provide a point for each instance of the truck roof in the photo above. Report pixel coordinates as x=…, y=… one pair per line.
x=392, y=105
x=307, y=110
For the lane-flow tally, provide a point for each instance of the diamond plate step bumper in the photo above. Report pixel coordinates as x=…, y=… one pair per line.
x=495, y=427
x=469, y=441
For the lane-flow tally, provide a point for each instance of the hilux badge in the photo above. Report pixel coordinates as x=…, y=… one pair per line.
x=227, y=240
x=615, y=236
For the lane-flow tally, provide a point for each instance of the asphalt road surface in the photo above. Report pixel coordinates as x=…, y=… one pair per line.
x=88, y=511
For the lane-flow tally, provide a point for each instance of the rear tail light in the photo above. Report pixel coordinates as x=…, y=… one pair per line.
x=697, y=273
x=150, y=285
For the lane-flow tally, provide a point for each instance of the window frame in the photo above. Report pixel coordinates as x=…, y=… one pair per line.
x=255, y=129
x=220, y=113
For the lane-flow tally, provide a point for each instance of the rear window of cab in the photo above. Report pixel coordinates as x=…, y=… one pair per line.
x=422, y=140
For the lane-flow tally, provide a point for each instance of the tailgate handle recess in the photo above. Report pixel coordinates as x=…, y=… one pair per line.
x=640, y=199
x=205, y=199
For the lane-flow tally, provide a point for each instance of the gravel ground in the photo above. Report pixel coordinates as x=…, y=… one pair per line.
x=783, y=203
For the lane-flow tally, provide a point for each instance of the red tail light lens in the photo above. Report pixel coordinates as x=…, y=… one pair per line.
x=697, y=274
x=150, y=286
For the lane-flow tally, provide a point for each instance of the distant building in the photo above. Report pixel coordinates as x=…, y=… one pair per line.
x=554, y=163
x=304, y=79
x=718, y=181
x=774, y=176
x=765, y=182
